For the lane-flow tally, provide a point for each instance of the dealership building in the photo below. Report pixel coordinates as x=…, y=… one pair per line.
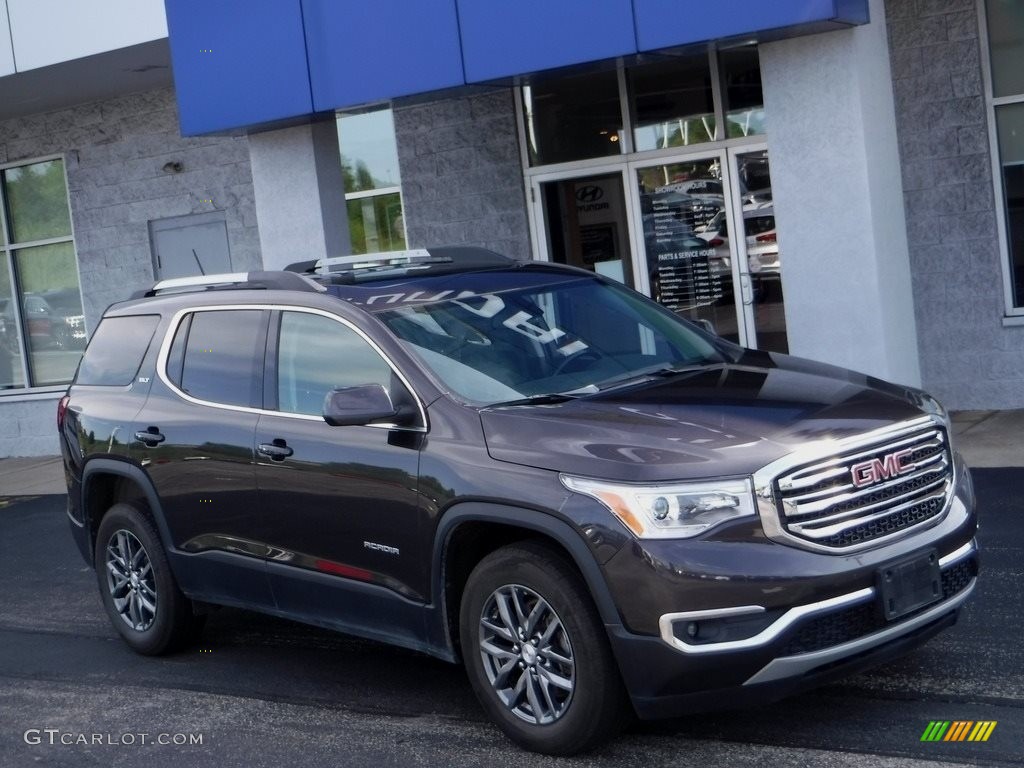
x=837, y=179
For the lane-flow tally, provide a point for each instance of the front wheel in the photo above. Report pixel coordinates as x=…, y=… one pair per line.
x=536, y=653
x=138, y=589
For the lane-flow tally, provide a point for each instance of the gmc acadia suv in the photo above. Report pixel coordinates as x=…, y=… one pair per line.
x=598, y=507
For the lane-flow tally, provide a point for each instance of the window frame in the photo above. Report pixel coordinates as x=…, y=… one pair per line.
x=180, y=315
x=7, y=251
x=1012, y=314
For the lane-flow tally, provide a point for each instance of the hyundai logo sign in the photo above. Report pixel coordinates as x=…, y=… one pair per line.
x=589, y=194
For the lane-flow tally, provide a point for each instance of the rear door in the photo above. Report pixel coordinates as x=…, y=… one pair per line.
x=195, y=439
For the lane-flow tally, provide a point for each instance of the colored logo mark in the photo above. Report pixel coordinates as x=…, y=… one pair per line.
x=958, y=730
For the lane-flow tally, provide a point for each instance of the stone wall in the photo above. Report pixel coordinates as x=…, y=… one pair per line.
x=462, y=179
x=968, y=358
x=114, y=153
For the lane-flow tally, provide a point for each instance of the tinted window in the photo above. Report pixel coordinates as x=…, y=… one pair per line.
x=224, y=356
x=317, y=354
x=116, y=350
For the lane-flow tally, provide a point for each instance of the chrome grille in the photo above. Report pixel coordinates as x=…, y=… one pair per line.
x=819, y=502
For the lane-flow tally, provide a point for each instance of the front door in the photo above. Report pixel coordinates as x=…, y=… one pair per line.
x=338, y=505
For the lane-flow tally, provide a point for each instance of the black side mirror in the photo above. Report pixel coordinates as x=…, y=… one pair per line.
x=353, y=406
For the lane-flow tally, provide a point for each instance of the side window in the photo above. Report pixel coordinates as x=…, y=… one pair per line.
x=317, y=354
x=116, y=350
x=224, y=355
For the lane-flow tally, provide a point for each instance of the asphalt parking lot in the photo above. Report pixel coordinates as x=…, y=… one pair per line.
x=261, y=691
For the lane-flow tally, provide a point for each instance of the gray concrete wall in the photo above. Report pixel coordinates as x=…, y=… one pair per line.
x=462, y=180
x=28, y=427
x=968, y=358
x=114, y=153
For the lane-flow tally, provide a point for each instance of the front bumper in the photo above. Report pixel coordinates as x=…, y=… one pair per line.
x=801, y=648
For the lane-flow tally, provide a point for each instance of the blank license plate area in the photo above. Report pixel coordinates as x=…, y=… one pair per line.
x=905, y=587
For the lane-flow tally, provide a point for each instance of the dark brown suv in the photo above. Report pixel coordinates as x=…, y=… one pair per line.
x=599, y=508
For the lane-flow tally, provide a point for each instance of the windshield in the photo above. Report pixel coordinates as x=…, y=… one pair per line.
x=543, y=333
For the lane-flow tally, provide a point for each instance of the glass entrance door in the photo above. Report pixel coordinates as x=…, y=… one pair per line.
x=687, y=208
x=586, y=221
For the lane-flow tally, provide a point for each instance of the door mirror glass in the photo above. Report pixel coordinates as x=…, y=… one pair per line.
x=353, y=406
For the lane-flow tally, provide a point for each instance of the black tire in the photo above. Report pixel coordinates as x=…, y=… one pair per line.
x=171, y=624
x=596, y=707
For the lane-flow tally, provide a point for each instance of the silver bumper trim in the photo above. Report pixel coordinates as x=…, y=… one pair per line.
x=786, y=620
x=791, y=666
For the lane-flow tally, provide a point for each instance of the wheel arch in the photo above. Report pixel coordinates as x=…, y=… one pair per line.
x=471, y=530
x=106, y=482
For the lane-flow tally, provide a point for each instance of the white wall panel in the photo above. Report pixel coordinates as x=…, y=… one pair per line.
x=6, y=52
x=48, y=32
x=838, y=198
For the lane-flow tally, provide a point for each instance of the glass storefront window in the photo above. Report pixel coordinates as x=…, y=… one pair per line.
x=369, y=153
x=573, y=118
x=1006, y=45
x=375, y=223
x=1010, y=127
x=42, y=325
x=373, y=187
x=673, y=103
x=37, y=201
x=740, y=70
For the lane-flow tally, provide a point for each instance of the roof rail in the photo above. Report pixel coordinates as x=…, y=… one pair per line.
x=279, y=281
x=370, y=265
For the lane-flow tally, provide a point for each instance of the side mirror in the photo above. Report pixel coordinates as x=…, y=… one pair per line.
x=353, y=406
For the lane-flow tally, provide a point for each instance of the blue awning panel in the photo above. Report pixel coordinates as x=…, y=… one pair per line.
x=501, y=39
x=250, y=63
x=672, y=23
x=361, y=52
x=238, y=63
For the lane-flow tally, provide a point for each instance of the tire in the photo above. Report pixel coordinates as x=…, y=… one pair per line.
x=502, y=670
x=144, y=603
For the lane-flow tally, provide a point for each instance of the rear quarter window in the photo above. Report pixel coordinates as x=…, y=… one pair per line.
x=116, y=350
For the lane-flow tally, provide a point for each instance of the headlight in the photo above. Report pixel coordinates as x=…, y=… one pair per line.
x=670, y=511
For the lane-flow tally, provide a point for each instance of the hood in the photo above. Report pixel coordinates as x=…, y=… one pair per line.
x=719, y=420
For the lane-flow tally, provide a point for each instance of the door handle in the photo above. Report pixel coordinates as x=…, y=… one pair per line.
x=151, y=437
x=746, y=289
x=278, y=450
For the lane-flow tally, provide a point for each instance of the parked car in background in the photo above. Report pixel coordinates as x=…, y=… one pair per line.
x=763, y=261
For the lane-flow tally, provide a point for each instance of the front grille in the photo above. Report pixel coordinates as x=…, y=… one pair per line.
x=848, y=624
x=820, y=503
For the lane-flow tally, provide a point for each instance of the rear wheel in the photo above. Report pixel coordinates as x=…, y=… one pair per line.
x=537, y=654
x=138, y=589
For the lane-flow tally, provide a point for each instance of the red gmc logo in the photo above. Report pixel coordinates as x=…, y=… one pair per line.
x=877, y=470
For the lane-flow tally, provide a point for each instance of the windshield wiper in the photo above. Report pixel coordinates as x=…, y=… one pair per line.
x=549, y=398
x=654, y=372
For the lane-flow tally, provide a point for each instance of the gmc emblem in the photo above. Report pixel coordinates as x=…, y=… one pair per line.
x=877, y=470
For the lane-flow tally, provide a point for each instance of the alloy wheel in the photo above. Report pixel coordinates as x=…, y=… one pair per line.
x=527, y=654
x=131, y=580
